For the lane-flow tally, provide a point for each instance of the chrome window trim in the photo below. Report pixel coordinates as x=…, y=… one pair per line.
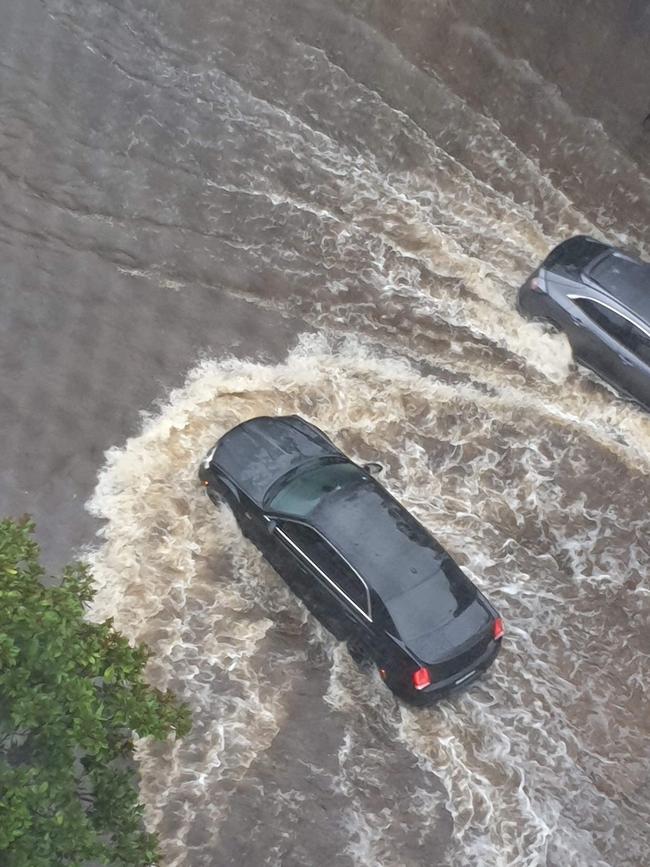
x=640, y=328
x=366, y=614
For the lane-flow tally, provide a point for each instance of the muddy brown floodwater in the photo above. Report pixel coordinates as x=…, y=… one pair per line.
x=215, y=209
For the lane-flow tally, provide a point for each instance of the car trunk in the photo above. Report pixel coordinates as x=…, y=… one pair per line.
x=455, y=644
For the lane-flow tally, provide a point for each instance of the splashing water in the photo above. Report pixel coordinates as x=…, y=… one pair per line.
x=545, y=760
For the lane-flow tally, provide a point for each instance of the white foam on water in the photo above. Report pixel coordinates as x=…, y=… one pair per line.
x=535, y=769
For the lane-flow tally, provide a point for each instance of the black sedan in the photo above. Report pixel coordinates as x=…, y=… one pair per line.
x=359, y=560
x=600, y=297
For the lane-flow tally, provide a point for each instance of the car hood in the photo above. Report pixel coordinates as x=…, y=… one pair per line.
x=258, y=452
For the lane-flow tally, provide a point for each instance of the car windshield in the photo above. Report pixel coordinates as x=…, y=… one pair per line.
x=300, y=494
x=576, y=253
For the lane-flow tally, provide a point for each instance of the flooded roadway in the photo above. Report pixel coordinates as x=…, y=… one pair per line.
x=323, y=208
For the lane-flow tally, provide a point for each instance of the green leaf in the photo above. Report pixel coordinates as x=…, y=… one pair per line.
x=65, y=796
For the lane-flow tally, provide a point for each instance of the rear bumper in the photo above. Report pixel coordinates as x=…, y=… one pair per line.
x=458, y=682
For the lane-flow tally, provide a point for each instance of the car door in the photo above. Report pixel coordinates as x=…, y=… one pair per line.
x=591, y=346
x=622, y=353
x=332, y=579
x=635, y=356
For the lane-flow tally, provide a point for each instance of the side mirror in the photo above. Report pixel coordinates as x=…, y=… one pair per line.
x=373, y=468
x=271, y=525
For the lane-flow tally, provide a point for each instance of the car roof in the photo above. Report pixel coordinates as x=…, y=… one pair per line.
x=622, y=277
x=397, y=557
x=626, y=279
x=258, y=452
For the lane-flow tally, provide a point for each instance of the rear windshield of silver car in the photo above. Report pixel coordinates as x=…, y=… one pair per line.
x=304, y=491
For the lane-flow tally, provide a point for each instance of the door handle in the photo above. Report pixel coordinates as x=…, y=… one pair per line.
x=626, y=361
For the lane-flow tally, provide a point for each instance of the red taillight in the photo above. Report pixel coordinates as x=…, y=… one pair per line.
x=421, y=678
x=497, y=629
x=537, y=285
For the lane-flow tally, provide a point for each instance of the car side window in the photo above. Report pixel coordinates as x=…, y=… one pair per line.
x=327, y=561
x=639, y=344
x=618, y=327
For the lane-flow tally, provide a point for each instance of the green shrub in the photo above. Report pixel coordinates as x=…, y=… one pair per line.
x=72, y=697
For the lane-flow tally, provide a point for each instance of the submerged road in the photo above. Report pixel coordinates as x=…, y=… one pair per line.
x=326, y=208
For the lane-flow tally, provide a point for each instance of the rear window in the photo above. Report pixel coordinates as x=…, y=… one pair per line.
x=301, y=494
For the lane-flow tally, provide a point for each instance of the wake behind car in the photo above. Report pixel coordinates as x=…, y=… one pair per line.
x=359, y=560
x=600, y=297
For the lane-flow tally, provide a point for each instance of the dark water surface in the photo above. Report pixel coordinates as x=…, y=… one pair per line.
x=326, y=208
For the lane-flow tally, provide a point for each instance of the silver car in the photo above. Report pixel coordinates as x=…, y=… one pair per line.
x=600, y=297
